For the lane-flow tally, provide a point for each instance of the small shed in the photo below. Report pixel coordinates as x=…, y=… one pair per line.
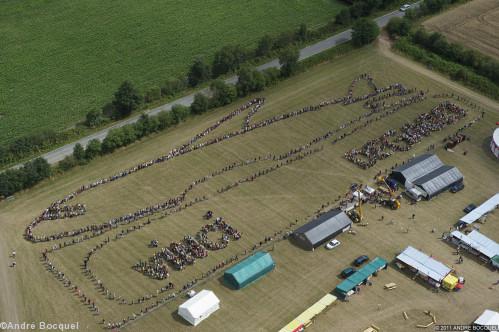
x=249, y=270
x=322, y=229
x=199, y=307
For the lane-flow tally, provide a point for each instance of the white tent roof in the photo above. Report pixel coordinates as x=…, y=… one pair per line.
x=489, y=205
x=479, y=242
x=199, y=306
x=488, y=317
x=424, y=263
x=495, y=136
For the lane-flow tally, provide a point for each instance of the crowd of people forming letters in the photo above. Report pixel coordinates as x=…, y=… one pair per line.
x=185, y=252
x=410, y=133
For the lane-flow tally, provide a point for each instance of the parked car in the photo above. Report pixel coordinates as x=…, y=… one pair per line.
x=403, y=8
x=347, y=272
x=457, y=187
x=360, y=260
x=332, y=244
x=469, y=208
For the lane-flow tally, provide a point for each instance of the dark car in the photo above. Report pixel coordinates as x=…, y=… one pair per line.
x=360, y=260
x=469, y=208
x=457, y=187
x=347, y=272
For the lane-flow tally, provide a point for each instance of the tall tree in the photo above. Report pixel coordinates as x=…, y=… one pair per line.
x=199, y=72
x=93, y=119
x=265, y=45
x=79, y=152
x=93, y=149
x=227, y=59
x=288, y=59
x=223, y=93
x=364, y=32
x=200, y=104
x=126, y=99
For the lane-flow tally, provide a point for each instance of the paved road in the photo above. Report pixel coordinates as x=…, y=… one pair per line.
x=59, y=154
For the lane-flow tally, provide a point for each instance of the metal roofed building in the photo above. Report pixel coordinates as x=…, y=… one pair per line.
x=416, y=168
x=322, y=229
x=439, y=180
x=427, y=267
x=428, y=174
x=249, y=270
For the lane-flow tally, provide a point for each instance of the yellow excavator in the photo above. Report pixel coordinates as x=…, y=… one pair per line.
x=393, y=203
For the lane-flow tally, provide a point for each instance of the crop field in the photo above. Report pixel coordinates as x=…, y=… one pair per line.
x=264, y=181
x=474, y=24
x=61, y=59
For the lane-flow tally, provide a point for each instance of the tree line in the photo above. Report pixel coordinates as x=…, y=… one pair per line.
x=438, y=44
x=14, y=180
x=432, y=48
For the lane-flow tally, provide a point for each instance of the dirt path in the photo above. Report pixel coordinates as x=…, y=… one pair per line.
x=8, y=298
x=384, y=46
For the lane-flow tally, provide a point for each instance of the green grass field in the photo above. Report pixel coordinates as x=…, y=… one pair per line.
x=260, y=208
x=60, y=59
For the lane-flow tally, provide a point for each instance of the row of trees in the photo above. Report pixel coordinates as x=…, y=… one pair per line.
x=31, y=173
x=438, y=44
x=26, y=146
x=456, y=71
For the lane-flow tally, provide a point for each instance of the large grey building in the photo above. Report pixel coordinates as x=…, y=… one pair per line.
x=427, y=173
x=322, y=229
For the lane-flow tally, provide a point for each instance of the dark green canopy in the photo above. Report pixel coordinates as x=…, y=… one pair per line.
x=249, y=270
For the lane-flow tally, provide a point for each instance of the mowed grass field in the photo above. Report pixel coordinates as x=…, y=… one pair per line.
x=260, y=208
x=61, y=59
x=474, y=24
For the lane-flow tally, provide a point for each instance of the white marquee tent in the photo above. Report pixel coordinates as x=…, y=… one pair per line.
x=424, y=264
x=488, y=206
x=199, y=307
x=488, y=318
x=479, y=242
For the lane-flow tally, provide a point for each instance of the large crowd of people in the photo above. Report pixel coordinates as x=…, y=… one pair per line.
x=410, y=133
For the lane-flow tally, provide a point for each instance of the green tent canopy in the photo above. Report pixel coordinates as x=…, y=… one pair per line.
x=249, y=270
x=361, y=276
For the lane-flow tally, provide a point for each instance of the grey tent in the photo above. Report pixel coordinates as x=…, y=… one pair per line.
x=439, y=180
x=416, y=168
x=322, y=229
